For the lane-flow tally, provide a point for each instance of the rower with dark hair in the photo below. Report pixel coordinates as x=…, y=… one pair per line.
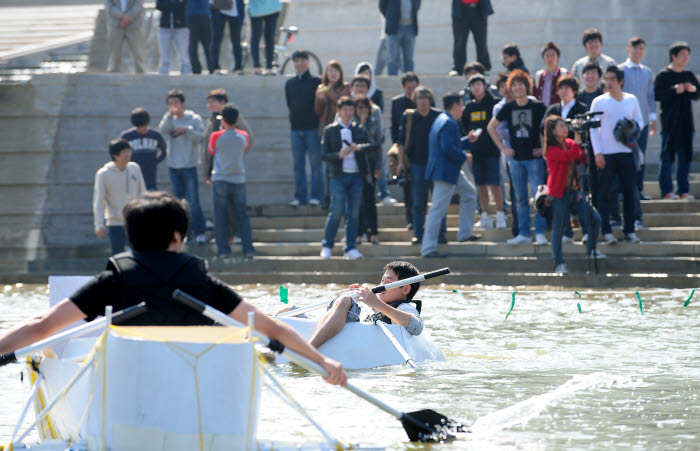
x=156, y=226
x=391, y=306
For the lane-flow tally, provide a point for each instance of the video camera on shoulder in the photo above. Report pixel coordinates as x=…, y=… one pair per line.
x=582, y=123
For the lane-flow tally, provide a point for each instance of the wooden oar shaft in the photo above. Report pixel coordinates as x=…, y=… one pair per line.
x=407, y=358
x=377, y=289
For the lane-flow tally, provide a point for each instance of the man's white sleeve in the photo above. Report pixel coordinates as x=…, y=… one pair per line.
x=596, y=139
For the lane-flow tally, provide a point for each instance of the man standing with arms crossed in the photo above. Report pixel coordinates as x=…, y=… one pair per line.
x=300, y=92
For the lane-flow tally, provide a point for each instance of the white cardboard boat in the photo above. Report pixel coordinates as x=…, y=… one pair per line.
x=364, y=345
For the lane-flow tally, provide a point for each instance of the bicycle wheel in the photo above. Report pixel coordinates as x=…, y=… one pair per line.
x=314, y=65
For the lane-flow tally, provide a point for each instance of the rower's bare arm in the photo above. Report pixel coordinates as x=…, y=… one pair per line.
x=48, y=323
x=291, y=339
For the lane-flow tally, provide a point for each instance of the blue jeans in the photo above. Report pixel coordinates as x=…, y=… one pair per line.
x=403, y=41
x=381, y=183
x=420, y=186
x=561, y=208
x=523, y=172
x=307, y=142
x=186, y=186
x=346, y=197
x=231, y=194
x=117, y=239
x=666, y=168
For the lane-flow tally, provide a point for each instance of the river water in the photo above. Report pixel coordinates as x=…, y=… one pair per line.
x=548, y=377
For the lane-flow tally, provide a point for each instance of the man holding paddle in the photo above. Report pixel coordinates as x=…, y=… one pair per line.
x=393, y=305
x=156, y=225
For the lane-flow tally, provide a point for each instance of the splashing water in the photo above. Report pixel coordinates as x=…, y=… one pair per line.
x=524, y=411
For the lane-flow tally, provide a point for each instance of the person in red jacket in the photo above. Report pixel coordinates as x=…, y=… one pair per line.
x=563, y=154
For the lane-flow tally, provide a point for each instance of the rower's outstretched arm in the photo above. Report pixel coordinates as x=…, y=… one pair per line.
x=48, y=323
x=290, y=339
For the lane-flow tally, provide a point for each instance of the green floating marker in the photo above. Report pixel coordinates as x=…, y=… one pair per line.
x=512, y=304
x=284, y=294
x=579, y=304
x=461, y=295
x=641, y=306
x=689, y=298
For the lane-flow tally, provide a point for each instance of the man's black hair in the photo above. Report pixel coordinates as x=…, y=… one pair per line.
x=409, y=76
x=592, y=65
x=404, y=270
x=363, y=68
x=635, y=41
x=116, y=146
x=303, y=54
x=591, y=34
x=501, y=79
x=175, y=94
x=152, y=219
x=551, y=45
x=570, y=81
x=360, y=79
x=345, y=101
x=450, y=99
x=229, y=113
x=140, y=117
x=619, y=73
x=676, y=48
x=511, y=49
x=474, y=66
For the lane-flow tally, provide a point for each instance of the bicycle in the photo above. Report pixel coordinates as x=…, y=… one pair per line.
x=284, y=54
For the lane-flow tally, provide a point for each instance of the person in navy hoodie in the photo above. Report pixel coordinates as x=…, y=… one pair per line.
x=148, y=146
x=234, y=18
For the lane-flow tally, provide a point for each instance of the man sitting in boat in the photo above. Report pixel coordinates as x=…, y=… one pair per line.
x=391, y=306
x=156, y=225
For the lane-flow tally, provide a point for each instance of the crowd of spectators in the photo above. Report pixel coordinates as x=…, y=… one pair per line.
x=336, y=124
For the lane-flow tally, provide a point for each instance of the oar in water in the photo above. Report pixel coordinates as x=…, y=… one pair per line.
x=375, y=290
x=118, y=317
x=421, y=426
x=404, y=355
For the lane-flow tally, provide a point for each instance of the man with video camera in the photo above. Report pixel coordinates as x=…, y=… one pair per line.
x=614, y=143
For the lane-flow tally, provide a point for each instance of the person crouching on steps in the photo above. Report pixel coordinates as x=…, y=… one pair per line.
x=562, y=154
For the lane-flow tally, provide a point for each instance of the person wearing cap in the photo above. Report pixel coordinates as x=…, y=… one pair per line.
x=486, y=158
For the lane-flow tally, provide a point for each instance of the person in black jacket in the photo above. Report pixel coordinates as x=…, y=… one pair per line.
x=173, y=32
x=156, y=225
x=300, y=92
x=470, y=17
x=401, y=30
x=510, y=55
x=344, y=144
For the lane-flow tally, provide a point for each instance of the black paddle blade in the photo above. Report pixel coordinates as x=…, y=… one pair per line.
x=429, y=426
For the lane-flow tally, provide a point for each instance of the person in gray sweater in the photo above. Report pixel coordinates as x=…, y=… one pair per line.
x=184, y=131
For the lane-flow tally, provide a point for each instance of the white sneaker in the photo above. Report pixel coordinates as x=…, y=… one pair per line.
x=326, y=252
x=541, y=239
x=561, y=269
x=485, y=222
x=500, y=220
x=295, y=203
x=609, y=238
x=632, y=238
x=565, y=239
x=584, y=239
x=520, y=239
x=598, y=255
x=314, y=202
x=388, y=200
x=200, y=239
x=353, y=254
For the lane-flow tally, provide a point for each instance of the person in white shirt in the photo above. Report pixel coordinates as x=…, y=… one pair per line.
x=612, y=157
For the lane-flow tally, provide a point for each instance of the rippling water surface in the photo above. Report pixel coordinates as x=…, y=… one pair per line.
x=547, y=378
